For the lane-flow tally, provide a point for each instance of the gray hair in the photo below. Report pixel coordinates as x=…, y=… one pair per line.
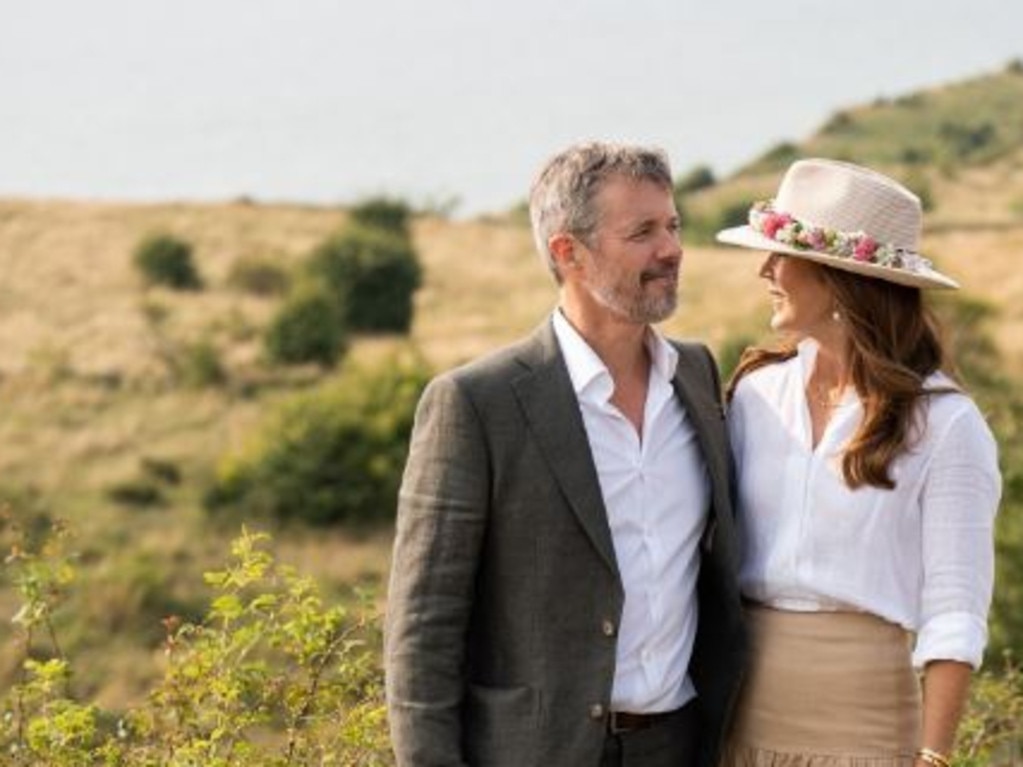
x=562, y=196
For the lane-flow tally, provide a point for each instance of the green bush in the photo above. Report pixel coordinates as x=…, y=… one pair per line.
x=137, y=492
x=258, y=276
x=700, y=229
x=839, y=123
x=374, y=272
x=200, y=365
x=166, y=260
x=964, y=141
x=386, y=214
x=333, y=455
x=309, y=327
x=269, y=676
x=700, y=177
x=777, y=158
x=991, y=732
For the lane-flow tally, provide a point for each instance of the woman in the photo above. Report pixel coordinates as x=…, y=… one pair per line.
x=867, y=488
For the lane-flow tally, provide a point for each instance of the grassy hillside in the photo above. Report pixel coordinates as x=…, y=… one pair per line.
x=964, y=124
x=89, y=394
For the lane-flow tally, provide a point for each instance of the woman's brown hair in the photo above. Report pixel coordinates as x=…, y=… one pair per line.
x=894, y=344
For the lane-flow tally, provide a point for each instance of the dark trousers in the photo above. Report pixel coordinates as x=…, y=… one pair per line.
x=671, y=742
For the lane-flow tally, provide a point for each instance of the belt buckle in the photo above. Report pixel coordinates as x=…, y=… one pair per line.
x=614, y=727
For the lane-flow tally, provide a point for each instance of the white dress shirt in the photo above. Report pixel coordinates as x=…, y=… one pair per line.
x=920, y=555
x=657, y=495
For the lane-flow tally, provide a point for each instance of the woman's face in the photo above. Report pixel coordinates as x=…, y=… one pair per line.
x=801, y=299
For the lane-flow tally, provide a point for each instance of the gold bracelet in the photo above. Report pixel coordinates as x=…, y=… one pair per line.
x=933, y=758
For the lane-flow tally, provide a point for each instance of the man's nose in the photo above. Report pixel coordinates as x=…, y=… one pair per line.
x=670, y=246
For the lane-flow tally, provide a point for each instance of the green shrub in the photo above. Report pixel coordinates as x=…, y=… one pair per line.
x=914, y=155
x=137, y=492
x=386, y=214
x=258, y=276
x=147, y=488
x=308, y=327
x=161, y=470
x=166, y=260
x=333, y=455
x=964, y=141
x=374, y=272
x=269, y=676
x=991, y=731
x=839, y=123
x=200, y=365
x=700, y=177
x=777, y=158
x=700, y=229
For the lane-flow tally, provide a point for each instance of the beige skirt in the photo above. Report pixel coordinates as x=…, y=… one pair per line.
x=826, y=689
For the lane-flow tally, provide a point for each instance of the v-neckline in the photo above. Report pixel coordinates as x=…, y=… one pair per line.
x=807, y=356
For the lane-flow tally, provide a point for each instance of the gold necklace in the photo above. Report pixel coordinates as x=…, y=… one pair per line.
x=825, y=398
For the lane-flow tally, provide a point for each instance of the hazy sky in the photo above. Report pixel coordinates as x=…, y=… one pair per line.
x=329, y=100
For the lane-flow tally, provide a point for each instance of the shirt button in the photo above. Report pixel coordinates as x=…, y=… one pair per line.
x=596, y=711
x=608, y=627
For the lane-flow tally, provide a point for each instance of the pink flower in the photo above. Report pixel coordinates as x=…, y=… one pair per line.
x=865, y=249
x=775, y=222
x=815, y=239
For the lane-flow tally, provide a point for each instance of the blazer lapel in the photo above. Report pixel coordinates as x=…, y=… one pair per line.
x=552, y=412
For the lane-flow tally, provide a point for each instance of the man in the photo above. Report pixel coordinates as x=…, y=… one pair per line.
x=563, y=588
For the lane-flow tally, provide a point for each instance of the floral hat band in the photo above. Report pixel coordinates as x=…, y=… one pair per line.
x=859, y=246
x=845, y=217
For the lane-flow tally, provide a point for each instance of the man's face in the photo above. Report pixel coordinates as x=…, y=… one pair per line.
x=632, y=260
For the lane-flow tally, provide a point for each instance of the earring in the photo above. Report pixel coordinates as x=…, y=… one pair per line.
x=836, y=316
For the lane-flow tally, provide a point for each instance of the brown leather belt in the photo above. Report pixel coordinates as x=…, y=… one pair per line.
x=619, y=722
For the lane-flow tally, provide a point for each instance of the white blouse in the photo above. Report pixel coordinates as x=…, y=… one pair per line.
x=920, y=555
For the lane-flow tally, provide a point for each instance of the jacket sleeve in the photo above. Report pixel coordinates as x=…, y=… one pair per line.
x=442, y=511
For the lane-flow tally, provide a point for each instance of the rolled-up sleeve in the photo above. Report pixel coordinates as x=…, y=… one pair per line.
x=960, y=499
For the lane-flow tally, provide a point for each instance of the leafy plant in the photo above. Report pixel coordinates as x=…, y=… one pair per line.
x=309, y=327
x=387, y=214
x=374, y=272
x=991, y=731
x=331, y=455
x=271, y=676
x=167, y=260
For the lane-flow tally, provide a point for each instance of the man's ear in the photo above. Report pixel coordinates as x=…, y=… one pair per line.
x=562, y=246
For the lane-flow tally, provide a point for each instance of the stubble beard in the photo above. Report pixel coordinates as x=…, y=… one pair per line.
x=640, y=304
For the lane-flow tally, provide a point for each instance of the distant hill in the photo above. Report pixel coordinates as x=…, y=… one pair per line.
x=961, y=125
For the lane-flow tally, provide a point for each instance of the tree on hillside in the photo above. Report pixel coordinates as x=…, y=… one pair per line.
x=164, y=259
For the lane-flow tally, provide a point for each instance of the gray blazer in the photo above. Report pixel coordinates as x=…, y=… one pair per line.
x=504, y=592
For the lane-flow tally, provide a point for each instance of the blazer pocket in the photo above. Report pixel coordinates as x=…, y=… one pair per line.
x=501, y=726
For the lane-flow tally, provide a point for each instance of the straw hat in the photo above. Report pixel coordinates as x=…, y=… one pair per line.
x=844, y=216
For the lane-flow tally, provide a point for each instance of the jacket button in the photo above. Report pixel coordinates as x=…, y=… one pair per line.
x=608, y=627
x=596, y=711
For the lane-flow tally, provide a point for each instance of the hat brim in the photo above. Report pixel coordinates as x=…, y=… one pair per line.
x=747, y=237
